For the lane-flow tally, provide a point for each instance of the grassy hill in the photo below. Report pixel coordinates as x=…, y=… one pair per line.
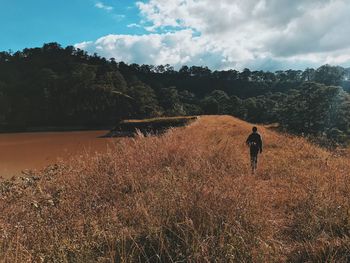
x=186, y=196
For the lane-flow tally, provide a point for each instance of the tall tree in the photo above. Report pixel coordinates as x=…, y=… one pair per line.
x=329, y=75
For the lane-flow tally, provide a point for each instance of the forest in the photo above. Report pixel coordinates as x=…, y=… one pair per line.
x=55, y=86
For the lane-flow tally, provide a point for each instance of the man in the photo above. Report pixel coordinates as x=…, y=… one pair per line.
x=254, y=142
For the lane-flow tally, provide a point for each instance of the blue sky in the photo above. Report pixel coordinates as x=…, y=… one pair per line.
x=30, y=23
x=259, y=34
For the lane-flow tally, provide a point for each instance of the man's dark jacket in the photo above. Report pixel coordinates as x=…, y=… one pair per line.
x=255, y=142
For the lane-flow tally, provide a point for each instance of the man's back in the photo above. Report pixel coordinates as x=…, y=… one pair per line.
x=255, y=142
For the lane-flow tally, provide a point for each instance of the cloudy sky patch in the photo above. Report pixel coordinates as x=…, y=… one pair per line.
x=101, y=5
x=220, y=34
x=264, y=34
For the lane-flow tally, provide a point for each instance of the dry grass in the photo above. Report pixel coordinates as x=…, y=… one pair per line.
x=156, y=126
x=160, y=119
x=186, y=196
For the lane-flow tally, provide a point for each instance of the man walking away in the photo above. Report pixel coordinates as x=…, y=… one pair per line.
x=254, y=142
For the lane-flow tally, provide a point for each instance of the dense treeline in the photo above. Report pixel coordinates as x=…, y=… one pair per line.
x=66, y=87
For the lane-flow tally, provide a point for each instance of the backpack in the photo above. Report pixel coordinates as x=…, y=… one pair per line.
x=254, y=146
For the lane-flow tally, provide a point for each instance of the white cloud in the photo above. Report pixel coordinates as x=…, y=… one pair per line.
x=133, y=25
x=232, y=33
x=101, y=5
x=177, y=48
x=83, y=45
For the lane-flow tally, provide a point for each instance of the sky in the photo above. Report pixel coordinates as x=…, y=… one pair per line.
x=220, y=34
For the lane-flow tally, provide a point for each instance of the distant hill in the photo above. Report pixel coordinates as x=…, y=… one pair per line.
x=64, y=87
x=186, y=196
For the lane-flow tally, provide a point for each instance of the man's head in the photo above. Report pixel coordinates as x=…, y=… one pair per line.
x=255, y=129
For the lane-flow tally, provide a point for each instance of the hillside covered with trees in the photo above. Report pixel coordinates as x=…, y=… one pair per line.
x=54, y=86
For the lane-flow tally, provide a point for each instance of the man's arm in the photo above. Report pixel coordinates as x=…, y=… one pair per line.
x=260, y=144
x=248, y=140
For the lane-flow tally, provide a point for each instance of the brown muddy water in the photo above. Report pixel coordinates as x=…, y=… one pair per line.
x=23, y=151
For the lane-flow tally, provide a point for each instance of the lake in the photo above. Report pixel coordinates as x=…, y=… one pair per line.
x=21, y=151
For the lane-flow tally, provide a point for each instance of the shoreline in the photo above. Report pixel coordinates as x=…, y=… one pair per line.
x=155, y=126
x=56, y=129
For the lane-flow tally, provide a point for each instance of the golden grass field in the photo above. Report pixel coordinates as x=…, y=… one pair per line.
x=160, y=119
x=186, y=196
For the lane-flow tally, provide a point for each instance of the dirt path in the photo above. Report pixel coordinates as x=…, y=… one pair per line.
x=271, y=190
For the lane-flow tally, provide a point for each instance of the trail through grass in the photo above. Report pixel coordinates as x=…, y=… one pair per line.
x=186, y=196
